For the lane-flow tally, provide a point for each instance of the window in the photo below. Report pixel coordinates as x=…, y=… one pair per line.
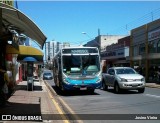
x=135, y=50
x=111, y=72
x=125, y=71
x=55, y=66
x=75, y=64
x=158, y=47
x=152, y=47
x=142, y=49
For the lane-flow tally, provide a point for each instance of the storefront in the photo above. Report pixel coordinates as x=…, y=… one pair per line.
x=14, y=25
x=145, y=50
x=28, y=51
x=116, y=54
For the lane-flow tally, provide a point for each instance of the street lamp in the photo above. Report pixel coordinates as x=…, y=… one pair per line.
x=86, y=34
x=94, y=41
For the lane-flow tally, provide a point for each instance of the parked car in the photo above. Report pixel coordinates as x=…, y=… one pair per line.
x=123, y=78
x=47, y=76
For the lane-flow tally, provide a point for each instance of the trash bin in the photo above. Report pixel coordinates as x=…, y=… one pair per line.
x=30, y=83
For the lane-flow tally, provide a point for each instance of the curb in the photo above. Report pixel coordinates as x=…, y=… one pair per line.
x=56, y=98
x=152, y=86
x=63, y=107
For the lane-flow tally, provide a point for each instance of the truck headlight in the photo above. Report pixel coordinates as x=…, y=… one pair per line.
x=143, y=79
x=123, y=80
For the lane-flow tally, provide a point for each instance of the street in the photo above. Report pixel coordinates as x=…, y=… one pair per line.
x=82, y=45
x=107, y=102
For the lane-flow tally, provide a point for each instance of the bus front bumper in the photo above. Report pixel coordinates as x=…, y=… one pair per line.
x=82, y=87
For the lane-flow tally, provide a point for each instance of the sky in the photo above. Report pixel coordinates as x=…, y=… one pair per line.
x=64, y=21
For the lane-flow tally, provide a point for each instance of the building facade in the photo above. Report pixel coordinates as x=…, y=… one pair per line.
x=116, y=54
x=101, y=41
x=145, y=49
x=50, y=50
x=10, y=37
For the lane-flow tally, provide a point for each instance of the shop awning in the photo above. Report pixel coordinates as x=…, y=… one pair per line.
x=28, y=51
x=11, y=50
x=31, y=59
x=13, y=18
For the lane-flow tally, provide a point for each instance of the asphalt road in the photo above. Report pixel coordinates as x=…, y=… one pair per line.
x=111, y=105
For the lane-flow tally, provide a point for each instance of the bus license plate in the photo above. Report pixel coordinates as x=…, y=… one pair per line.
x=83, y=88
x=134, y=85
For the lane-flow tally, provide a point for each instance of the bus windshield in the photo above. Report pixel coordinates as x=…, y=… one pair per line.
x=81, y=64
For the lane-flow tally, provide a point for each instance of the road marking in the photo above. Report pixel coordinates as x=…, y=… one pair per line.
x=64, y=103
x=150, y=95
x=70, y=110
x=58, y=108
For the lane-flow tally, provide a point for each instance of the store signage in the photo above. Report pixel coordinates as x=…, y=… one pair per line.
x=8, y=2
x=15, y=40
x=108, y=54
x=154, y=35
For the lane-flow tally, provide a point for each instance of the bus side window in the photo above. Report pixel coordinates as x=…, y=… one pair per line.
x=59, y=61
x=56, y=67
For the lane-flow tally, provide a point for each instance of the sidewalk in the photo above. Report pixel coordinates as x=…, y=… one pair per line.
x=36, y=102
x=153, y=85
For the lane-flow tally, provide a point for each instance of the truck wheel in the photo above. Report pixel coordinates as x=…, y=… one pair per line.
x=104, y=86
x=141, y=90
x=116, y=88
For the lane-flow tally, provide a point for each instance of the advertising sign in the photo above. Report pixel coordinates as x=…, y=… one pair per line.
x=154, y=35
x=15, y=41
x=8, y=2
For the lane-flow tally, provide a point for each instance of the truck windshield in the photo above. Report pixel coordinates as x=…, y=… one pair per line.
x=125, y=71
x=81, y=64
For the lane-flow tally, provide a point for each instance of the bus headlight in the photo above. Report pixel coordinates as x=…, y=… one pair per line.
x=98, y=80
x=65, y=81
x=99, y=76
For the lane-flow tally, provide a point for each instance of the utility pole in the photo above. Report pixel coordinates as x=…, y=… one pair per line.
x=99, y=40
x=46, y=46
x=16, y=2
x=98, y=31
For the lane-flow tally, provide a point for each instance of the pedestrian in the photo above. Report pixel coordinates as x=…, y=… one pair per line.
x=158, y=75
x=10, y=83
x=3, y=87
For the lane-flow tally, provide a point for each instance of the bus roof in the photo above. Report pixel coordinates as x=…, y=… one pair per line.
x=77, y=47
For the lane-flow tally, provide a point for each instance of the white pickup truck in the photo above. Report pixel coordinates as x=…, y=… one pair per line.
x=123, y=78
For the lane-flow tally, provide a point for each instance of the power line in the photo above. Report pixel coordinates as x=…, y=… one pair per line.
x=153, y=15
